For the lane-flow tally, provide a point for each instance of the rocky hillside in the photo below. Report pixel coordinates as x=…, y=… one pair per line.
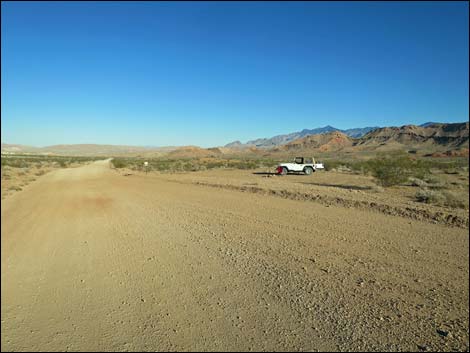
x=194, y=152
x=447, y=136
x=332, y=141
x=435, y=138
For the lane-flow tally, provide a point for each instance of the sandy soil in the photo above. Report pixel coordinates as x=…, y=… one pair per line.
x=334, y=188
x=16, y=179
x=94, y=260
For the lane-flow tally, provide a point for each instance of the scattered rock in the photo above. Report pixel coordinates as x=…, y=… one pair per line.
x=443, y=333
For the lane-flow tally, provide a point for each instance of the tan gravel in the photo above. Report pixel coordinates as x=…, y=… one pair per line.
x=93, y=260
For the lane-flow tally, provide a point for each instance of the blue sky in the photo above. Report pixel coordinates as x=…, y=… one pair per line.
x=145, y=73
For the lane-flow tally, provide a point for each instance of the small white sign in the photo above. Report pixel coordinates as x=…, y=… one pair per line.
x=146, y=164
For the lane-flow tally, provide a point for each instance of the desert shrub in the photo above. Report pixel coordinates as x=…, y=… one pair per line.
x=14, y=162
x=429, y=196
x=40, y=172
x=15, y=188
x=443, y=198
x=163, y=166
x=438, y=186
x=212, y=165
x=395, y=168
x=232, y=164
x=196, y=167
x=417, y=182
x=26, y=161
x=434, y=182
x=247, y=165
x=333, y=164
x=432, y=179
x=361, y=167
x=118, y=163
x=187, y=167
x=268, y=163
x=344, y=169
x=456, y=200
x=390, y=171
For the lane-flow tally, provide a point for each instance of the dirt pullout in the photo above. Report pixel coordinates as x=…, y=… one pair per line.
x=408, y=212
x=95, y=261
x=330, y=188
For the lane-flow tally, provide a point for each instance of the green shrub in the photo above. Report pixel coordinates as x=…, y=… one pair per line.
x=332, y=164
x=390, y=171
x=395, y=168
x=118, y=163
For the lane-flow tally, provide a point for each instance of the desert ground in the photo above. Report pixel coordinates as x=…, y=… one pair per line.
x=99, y=259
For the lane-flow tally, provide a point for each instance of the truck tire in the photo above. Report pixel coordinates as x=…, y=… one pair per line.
x=284, y=171
x=308, y=170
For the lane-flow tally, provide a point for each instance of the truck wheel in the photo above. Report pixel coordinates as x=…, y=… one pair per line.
x=308, y=170
x=284, y=171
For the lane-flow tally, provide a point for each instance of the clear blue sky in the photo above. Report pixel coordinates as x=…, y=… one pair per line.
x=144, y=73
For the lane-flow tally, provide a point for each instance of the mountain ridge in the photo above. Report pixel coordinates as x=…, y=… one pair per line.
x=431, y=136
x=286, y=138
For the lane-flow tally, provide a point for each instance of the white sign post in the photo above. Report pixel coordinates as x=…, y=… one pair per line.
x=146, y=165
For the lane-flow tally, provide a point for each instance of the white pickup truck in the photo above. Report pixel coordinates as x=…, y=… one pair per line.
x=305, y=165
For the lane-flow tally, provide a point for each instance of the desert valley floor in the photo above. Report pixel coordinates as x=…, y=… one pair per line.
x=93, y=259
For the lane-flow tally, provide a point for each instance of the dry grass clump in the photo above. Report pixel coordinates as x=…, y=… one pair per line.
x=442, y=198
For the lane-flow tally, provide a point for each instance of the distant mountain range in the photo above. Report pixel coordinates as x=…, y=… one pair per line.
x=86, y=150
x=431, y=137
x=283, y=139
x=449, y=139
x=280, y=140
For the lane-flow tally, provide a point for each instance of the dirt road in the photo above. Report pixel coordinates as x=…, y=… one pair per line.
x=92, y=260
